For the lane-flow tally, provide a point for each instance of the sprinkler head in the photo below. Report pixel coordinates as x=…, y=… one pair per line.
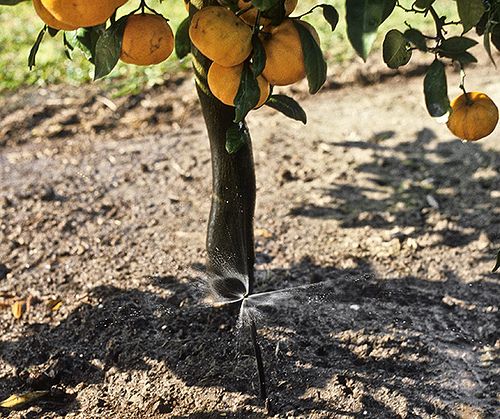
x=228, y=288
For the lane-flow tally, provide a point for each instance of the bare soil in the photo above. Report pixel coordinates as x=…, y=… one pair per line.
x=388, y=223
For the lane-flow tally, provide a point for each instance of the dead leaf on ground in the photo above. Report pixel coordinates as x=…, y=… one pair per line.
x=53, y=304
x=18, y=309
x=18, y=400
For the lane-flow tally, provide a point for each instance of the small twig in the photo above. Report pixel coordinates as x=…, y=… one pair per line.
x=260, y=363
x=439, y=24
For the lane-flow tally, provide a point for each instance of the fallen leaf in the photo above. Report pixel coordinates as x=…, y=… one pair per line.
x=18, y=309
x=53, y=304
x=18, y=400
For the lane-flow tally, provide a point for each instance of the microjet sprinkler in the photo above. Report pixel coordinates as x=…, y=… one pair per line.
x=233, y=289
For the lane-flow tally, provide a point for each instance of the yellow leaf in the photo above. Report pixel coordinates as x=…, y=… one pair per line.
x=54, y=304
x=18, y=400
x=18, y=309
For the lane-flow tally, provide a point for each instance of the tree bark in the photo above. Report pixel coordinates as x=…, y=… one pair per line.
x=230, y=237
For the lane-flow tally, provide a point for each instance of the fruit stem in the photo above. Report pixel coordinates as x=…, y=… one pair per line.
x=468, y=100
x=243, y=11
x=143, y=7
x=255, y=29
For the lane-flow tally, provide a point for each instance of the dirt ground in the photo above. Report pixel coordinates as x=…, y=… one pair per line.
x=388, y=225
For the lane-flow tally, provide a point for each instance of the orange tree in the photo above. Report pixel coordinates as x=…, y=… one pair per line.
x=241, y=49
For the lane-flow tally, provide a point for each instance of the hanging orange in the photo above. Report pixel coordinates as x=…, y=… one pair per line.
x=221, y=36
x=473, y=116
x=147, y=39
x=81, y=13
x=224, y=83
x=49, y=18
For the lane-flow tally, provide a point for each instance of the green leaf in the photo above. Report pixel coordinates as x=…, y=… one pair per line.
x=182, y=42
x=68, y=47
x=276, y=13
x=497, y=264
x=288, y=107
x=35, y=47
x=10, y=2
x=395, y=49
x=259, y=55
x=268, y=4
x=487, y=44
x=462, y=57
x=390, y=5
x=495, y=39
x=456, y=49
x=436, y=92
x=423, y=4
x=236, y=136
x=363, y=18
x=456, y=44
x=331, y=15
x=470, y=12
x=84, y=39
x=416, y=38
x=248, y=93
x=313, y=58
x=108, y=48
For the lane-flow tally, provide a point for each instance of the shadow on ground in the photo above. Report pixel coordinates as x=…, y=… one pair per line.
x=412, y=182
x=343, y=344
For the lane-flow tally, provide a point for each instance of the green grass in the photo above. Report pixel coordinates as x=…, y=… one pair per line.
x=19, y=27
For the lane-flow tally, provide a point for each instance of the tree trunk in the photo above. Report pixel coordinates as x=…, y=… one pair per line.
x=230, y=239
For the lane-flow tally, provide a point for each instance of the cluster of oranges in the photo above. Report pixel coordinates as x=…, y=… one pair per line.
x=220, y=34
x=226, y=38
x=147, y=39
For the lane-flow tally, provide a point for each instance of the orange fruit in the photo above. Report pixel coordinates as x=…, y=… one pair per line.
x=221, y=36
x=147, y=39
x=472, y=119
x=250, y=16
x=81, y=13
x=225, y=81
x=284, y=56
x=49, y=19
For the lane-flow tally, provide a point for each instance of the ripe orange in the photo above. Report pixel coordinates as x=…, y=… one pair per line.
x=49, y=19
x=250, y=16
x=474, y=119
x=225, y=81
x=221, y=36
x=147, y=39
x=284, y=56
x=81, y=13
